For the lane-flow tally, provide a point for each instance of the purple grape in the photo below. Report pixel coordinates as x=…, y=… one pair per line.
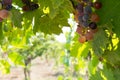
x=80, y=8
x=8, y=7
x=85, y=17
x=93, y=25
x=85, y=23
x=34, y=6
x=80, y=18
x=87, y=10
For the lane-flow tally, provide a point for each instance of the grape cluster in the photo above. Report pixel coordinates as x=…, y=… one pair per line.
x=87, y=19
x=29, y=6
x=5, y=7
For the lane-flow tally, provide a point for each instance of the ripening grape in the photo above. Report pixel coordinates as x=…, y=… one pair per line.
x=93, y=25
x=85, y=17
x=82, y=39
x=85, y=23
x=97, y=5
x=79, y=30
x=80, y=18
x=26, y=8
x=80, y=8
x=7, y=2
x=4, y=13
x=94, y=17
x=87, y=10
x=89, y=36
x=76, y=14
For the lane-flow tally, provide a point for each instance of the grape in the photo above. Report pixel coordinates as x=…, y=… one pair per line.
x=80, y=8
x=79, y=30
x=34, y=6
x=7, y=2
x=94, y=17
x=26, y=8
x=85, y=17
x=90, y=3
x=82, y=39
x=89, y=36
x=87, y=10
x=93, y=25
x=97, y=5
x=8, y=7
x=80, y=18
x=4, y=13
x=85, y=23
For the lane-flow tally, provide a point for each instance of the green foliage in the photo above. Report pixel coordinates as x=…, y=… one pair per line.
x=16, y=33
x=100, y=42
x=4, y=66
x=79, y=50
x=16, y=58
x=110, y=14
x=16, y=18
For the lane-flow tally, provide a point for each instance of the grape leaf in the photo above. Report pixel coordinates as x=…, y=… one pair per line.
x=97, y=76
x=16, y=18
x=115, y=60
x=100, y=42
x=52, y=22
x=18, y=3
x=46, y=25
x=110, y=13
x=108, y=74
x=16, y=58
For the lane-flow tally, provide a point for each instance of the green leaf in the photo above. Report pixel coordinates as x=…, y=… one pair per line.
x=110, y=13
x=112, y=58
x=16, y=58
x=100, y=42
x=16, y=18
x=4, y=66
x=97, y=76
x=58, y=16
x=47, y=25
x=108, y=74
x=92, y=66
x=116, y=74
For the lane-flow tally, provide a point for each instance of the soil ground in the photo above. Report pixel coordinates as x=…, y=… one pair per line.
x=40, y=70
